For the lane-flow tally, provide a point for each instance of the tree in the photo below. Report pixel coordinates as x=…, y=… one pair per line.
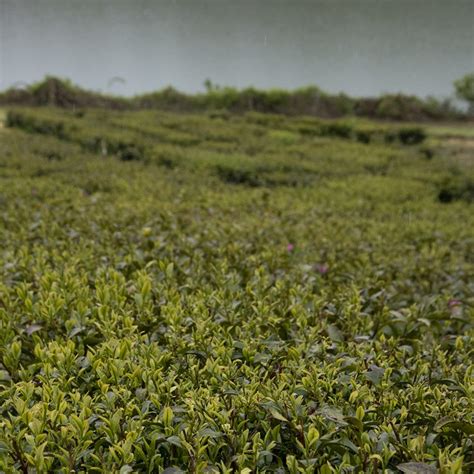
x=465, y=90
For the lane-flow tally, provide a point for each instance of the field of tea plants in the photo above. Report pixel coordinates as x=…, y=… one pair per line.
x=220, y=293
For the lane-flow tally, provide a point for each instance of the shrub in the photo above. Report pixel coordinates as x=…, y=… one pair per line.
x=304, y=101
x=427, y=153
x=335, y=129
x=411, y=135
x=363, y=136
x=283, y=137
x=305, y=307
x=238, y=176
x=30, y=124
x=130, y=152
x=456, y=189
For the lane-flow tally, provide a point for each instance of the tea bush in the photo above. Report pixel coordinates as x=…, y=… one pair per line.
x=241, y=297
x=457, y=188
x=411, y=136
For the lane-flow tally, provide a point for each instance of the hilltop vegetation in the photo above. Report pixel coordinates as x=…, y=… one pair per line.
x=218, y=292
x=312, y=101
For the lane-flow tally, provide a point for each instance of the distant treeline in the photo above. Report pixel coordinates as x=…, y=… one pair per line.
x=306, y=101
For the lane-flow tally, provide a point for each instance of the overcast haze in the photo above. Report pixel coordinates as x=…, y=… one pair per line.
x=362, y=47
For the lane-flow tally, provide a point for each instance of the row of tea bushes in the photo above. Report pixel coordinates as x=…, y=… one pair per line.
x=167, y=319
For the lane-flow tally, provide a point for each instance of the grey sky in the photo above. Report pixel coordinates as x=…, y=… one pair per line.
x=362, y=47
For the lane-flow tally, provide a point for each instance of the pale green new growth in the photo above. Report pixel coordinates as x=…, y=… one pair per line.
x=224, y=293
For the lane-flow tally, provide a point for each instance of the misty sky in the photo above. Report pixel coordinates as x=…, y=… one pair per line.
x=362, y=47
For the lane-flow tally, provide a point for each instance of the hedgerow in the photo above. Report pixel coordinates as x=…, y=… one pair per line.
x=55, y=92
x=240, y=296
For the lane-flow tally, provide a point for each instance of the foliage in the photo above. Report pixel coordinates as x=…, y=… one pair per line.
x=304, y=101
x=249, y=293
x=411, y=135
x=457, y=188
x=53, y=91
x=465, y=90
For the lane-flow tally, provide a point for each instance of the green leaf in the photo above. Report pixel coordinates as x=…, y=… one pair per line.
x=169, y=270
x=354, y=422
x=277, y=416
x=210, y=433
x=333, y=414
x=174, y=440
x=417, y=468
x=335, y=333
x=173, y=470
x=375, y=375
x=449, y=422
x=32, y=328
